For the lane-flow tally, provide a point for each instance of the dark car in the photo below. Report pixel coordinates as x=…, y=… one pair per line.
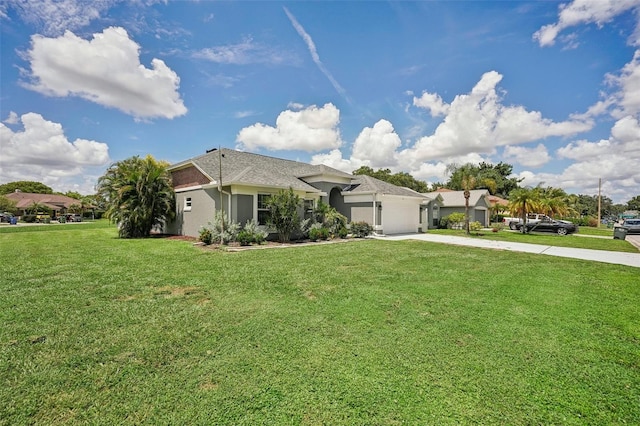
x=74, y=218
x=632, y=226
x=5, y=217
x=560, y=227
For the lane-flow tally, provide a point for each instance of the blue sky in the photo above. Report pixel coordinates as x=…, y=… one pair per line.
x=551, y=88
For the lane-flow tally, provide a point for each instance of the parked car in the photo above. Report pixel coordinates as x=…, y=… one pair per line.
x=5, y=217
x=74, y=218
x=632, y=226
x=560, y=227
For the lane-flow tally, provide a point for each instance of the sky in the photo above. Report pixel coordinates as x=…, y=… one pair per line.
x=552, y=88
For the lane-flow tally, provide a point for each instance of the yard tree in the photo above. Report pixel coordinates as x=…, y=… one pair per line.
x=523, y=201
x=554, y=202
x=7, y=205
x=634, y=203
x=484, y=173
x=468, y=182
x=138, y=194
x=27, y=186
x=283, y=213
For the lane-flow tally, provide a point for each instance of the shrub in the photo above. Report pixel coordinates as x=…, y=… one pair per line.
x=258, y=236
x=475, y=226
x=443, y=223
x=455, y=221
x=29, y=218
x=283, y=213
x=361, y=229
x=593, y=222
x=205, y=235
x=245, y=238
x=213, y=232
x=318, y=232
x=335, y=221
x=343, y=232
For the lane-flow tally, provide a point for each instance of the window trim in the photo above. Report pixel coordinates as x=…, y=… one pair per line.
x=188, y=204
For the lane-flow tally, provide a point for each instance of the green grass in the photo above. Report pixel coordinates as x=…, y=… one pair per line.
x=105, y=331
x=546, y=238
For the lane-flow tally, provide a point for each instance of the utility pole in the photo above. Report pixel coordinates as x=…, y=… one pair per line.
x=599, y=200
x=220, y=192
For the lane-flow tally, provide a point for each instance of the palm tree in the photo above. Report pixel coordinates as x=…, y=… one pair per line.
x=522, y=201
x=470, y=182
x=553, y=202
x=139, y=195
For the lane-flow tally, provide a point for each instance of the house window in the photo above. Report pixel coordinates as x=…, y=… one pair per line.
x=187, y=204
x=263, y=208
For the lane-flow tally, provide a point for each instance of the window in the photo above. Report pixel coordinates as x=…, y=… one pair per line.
x=263, y=208
x=187, y=204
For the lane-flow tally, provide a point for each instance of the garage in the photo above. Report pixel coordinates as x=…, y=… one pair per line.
x=400, y=215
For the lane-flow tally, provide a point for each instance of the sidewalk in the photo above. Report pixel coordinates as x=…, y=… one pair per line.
x=619, y=258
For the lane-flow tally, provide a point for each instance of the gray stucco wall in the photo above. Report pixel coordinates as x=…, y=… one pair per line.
x=203, y=204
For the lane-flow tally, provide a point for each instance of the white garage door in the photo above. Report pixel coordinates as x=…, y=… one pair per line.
x=400, y=216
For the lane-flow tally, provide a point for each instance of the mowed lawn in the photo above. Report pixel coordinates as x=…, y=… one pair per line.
x=99, y=330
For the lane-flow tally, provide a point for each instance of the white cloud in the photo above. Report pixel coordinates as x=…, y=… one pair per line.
x=105, y=70
x=53, y=17
x=528, y=157
x=478, y=122
x=584, y=12
x=627, y=99
x=585, y=150
x=12, y=118
x=243, y=53
x=334, y=159
x=432, y=102
x=311, y=129
x=376, y=146
x=42, y=152
x=615, y=160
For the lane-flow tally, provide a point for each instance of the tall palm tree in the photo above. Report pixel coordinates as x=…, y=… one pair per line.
x=522, y=201
x=553, y=202
x=468, y=183
x=139, y=195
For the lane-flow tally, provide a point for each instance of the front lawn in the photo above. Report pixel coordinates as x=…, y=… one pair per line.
x=100, y=330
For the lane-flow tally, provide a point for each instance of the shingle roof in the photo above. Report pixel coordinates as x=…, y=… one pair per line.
x=254, y=169
x=53, y=201
x=246, y=168
x=365, y=183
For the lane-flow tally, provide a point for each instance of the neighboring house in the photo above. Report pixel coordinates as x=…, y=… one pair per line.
x=453, y=201
x=498, y=205
x=58, y=204
x=240, y=184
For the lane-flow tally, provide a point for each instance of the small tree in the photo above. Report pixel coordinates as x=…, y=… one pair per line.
x=283, y=213
x=138, y=194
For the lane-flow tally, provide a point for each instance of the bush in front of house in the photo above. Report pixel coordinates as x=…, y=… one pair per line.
x=251, y=234
x=475, y=226
x=360, y=229
x=219, y=230
x=455, y=221
x=318, y=232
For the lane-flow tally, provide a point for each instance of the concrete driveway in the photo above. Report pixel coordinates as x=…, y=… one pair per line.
x=616, y=257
